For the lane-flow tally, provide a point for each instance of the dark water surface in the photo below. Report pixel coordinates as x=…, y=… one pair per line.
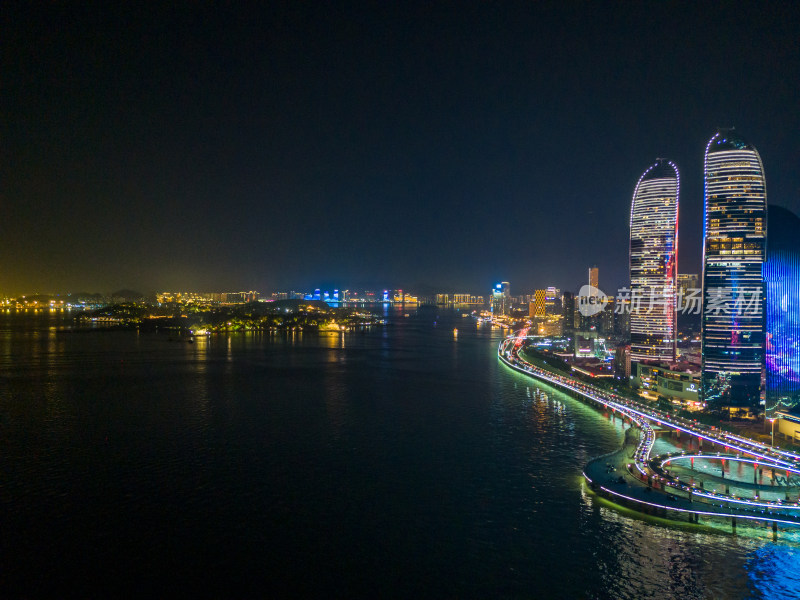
x=401, y=462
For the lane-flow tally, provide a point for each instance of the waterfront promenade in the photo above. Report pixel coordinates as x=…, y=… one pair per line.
x=635, y=477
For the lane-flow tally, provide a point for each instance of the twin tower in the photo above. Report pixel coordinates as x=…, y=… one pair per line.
x=734, y=252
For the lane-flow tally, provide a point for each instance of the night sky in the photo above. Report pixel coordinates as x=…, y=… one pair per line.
x=448, y=145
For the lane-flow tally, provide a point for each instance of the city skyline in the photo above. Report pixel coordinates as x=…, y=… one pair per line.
x=320, y=299
x=289, y=147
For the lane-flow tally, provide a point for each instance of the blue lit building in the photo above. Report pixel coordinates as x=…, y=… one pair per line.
x=782, y=282
x=501, y=299
x=734, y=250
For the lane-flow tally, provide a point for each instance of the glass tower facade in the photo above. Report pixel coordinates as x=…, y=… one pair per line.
x=734, y=250
x=782, y=282
x=654, y=263
x=501, y=299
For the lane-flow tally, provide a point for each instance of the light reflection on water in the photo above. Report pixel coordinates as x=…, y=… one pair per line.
x=398, y=461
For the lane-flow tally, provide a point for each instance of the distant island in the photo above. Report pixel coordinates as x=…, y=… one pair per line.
x=312, y=315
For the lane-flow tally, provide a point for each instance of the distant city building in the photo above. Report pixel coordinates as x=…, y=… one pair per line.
x=554, y=315
x=545, y=312
x=187, y=297
x=568, y=309
x=622, y=362
x=688, y=285
x=594, y=277
x=653, y=263
x=552, y=300
x=585, y=322
x=501, y=299
x=622, y=319
x=782, y=282
x=234, y=298
x=552, y=326
x=605, y=319
x=401, y=297
x=735, y=235
x=164, y=297
x=539, y=303
x=584, y=343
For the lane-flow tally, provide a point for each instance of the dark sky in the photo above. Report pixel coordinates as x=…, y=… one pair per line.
x=387, y=144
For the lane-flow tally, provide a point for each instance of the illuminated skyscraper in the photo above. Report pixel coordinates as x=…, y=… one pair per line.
x=568, y=304
x=501, y=299
x=594, y=276
x=782, y=283
x=552, y=300
x=545, y=310
x=539, y=303
x=735, y=230
x=653, y=263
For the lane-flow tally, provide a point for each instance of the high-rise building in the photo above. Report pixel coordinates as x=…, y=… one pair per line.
x=568, y=307
x=539, y=303
x=622, y=362
x=501, y=299
x=687, y=283
x=622, y=319
x=552, y=301
x=690, y=296
x=594, y=277
x=653, y=263
x=782, y=283
x=604, y=320
x=234, y=298
x=735, y=235
x=545, y=310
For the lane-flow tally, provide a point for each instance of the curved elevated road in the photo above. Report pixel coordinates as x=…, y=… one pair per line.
x=644, y=483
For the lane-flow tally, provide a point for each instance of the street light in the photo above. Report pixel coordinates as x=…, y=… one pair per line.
x=773, y=432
